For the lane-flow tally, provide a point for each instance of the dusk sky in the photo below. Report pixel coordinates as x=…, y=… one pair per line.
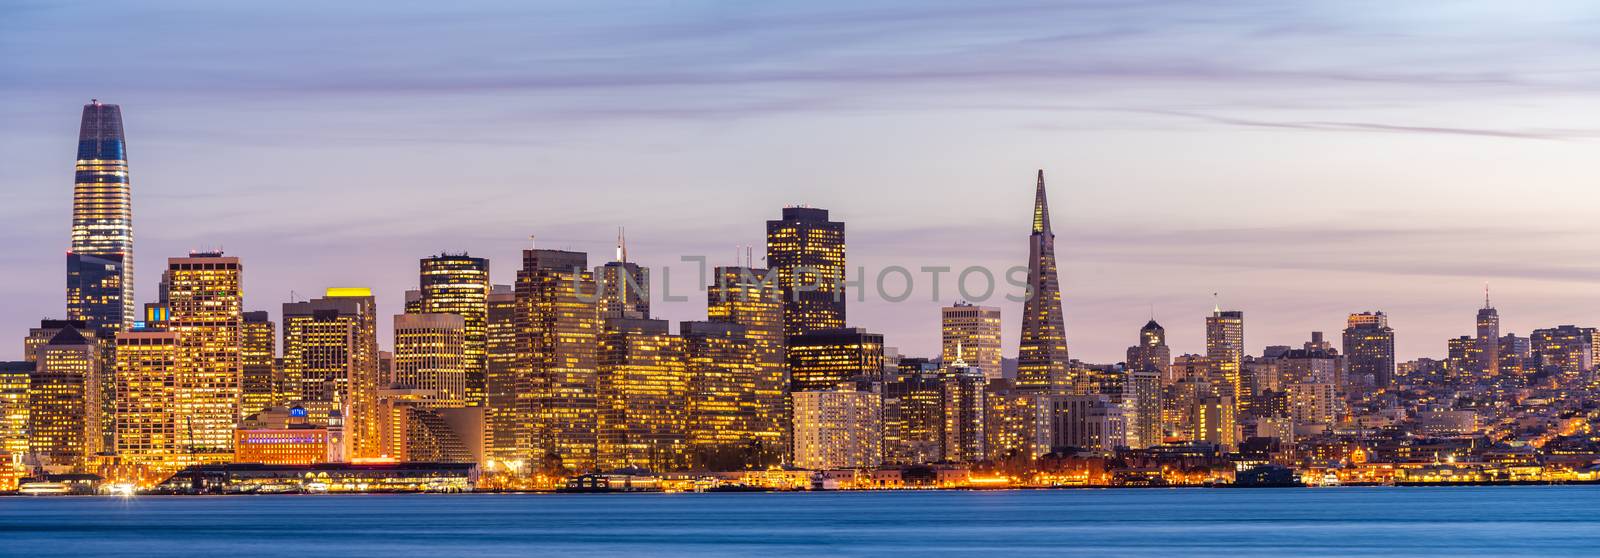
x=1303, y=161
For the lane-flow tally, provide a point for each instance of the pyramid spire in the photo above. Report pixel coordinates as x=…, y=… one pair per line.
x=622, y=246
x=1041, y=208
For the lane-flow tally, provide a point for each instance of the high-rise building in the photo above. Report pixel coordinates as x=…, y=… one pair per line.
x=557, y=334
x=1017, y=422
x=459, y=284
x=963, y=402
x=1488, y=340
x=823, y=359
x=66, y=412
x=257, y=363
x=733, y=402
x=1516, y=356
x=975, y=331
x=1462, y=359
x=1566, y=350
x=914, y=414
x=1185, y=367
x=206, y=297
x=643, y=387
x=1042, y=361
x=807, y=252
x=46, y=331
x=750, y=298
x=430, y=359
x=500, y=381
x=1091, y=422
x=837, y=429
x=1141, y=402
x=1152, y=353
x=330, y=362
x=100, y=262
x=151, y=433
x=624, y=286
x=14, y=380
x=1225, y=349
x=1369, y=348
x=1214, y=421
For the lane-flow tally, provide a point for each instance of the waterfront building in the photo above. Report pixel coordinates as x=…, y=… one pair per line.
x=643, y=388
x=205, y=294
x=824, y=358
x=100, y=261
x=974, y=332
x=1369, y=349
x=963, y=403
x=1042, y=361
x=1141, y=401
x=281, y=436
x=331, y=362
x=415, y=428
x=732, y=402
x=557, y=334
x=1017, y=422
x=914, y=414
x=459, y=284
x=751, y=299
x=1091, y=422
x=1152, y=353
x=257, y=363
x=148, y=423
x=500, y=381
x=66, y=410
x=807, y=252
x=837, y=429
x=14, y=380
x=333, y=478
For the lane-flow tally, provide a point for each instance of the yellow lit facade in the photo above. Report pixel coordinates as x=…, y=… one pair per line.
x=330, y=363
x=643, y=395
x=730, y=423
x=557, y=333
x=744, y=296
x=429, y=354
x=974, y=332
x=837, y=429
x=65, y=411
x=204, y=292
x=500, y=381
x=807, y=251
x=459, y=284
x=100, y=262
x=147, y=420
x=14, y=380
x=1042, y=357
x=1225, y=356
x=824, y=359
x=257, y=355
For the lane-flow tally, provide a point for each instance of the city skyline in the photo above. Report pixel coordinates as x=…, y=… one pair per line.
x=1128, y=236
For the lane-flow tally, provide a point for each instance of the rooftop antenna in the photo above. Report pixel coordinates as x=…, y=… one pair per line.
x=1486, y=295
x=533, y=241
x=622, y=246
x=1216, y=303
x=749, y=255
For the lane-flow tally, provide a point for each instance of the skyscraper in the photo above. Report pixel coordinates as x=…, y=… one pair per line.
x=147, y=422
x=257, y=355
x=65, y=407
x=100, y=263
x=1042, y=351
x=1225, y=357
x=975, y=331
x=205, y=293
x=557, y=333
x=331, y=363
x=459, y=284
x=430, y=356
x=643, y=389
x=732, y=401
x=624, y=286
x=500, y=381
x=1369, y=348
x=744, y=297
x=1152, y=353
x=807, y=251
x=838, y=429
x=826, y=358
x=1488, y=340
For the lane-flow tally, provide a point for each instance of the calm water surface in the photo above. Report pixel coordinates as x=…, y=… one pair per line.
x=1474, y=521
